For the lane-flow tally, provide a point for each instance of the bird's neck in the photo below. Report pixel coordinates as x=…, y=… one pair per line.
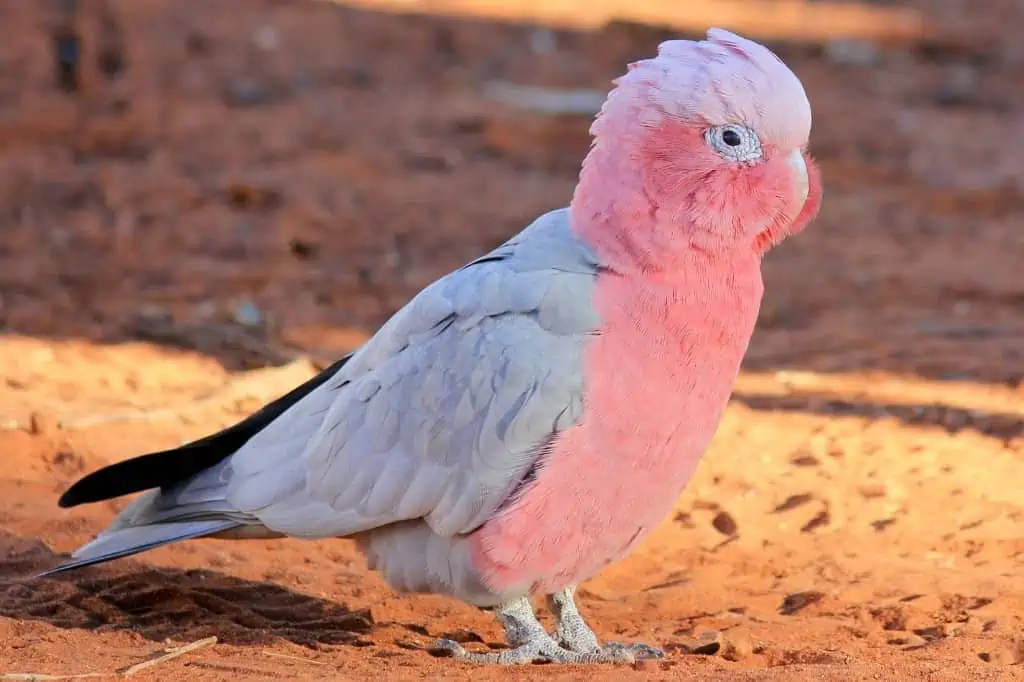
x=657, y=281
x=638, y=231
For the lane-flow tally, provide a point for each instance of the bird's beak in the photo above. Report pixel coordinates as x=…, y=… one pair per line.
x=799, y=167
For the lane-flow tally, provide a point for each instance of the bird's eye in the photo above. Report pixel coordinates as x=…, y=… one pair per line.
x=734, y=142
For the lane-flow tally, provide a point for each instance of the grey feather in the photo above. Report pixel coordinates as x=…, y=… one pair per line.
x=423, y=434
x=122, y=542
x=444, y=411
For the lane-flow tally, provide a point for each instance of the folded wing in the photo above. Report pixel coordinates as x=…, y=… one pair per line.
x=444, y=412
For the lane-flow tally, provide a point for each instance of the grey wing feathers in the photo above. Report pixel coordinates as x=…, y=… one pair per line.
x=444, y=411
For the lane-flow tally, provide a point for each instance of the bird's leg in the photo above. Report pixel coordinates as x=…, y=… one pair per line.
x=573, y=633
x=530, y=643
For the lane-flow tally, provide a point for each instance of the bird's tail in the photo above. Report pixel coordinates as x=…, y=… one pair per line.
x=122, y=542
x=193, y=510
x=185, y=489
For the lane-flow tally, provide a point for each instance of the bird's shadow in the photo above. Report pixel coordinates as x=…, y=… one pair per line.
x=1005, y=426
x=162, y=603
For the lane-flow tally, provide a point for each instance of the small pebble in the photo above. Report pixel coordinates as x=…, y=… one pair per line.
x=725, y=524
x=708, y=644
x=543, y=41
x=851, y=52
x=248, y=93
x=959, y=87
x=736, y=648
x=246, y=313
x=912, y=641
x=800, y=600
x=41, y=423
x=1013, y=655
x=644, y=665
x=267, y=38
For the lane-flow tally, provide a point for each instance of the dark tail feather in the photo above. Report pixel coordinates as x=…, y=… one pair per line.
x=128, y=541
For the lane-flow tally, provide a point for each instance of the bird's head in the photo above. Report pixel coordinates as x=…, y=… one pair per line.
x=703, y=147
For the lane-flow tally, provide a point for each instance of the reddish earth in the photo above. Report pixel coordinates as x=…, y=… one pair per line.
x=306, y=168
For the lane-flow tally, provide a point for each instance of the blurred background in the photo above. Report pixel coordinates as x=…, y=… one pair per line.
x=202, y=201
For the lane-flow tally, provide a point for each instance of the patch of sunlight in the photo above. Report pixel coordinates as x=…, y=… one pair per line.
x=759, y=19
x=884, y=388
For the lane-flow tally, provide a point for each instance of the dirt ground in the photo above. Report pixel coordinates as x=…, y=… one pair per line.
x=248, y=183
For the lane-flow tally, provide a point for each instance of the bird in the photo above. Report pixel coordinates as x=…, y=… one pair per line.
x=529, y=418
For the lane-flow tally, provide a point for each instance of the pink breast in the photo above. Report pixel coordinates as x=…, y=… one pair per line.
x=658, y=379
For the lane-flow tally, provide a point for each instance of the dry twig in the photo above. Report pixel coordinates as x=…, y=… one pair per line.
x=168, y=655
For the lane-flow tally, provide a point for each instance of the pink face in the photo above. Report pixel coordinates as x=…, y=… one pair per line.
x=711, y=137
x=732, y=187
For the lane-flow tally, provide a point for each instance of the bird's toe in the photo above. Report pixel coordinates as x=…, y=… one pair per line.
x=538, y=650
x=638, y=650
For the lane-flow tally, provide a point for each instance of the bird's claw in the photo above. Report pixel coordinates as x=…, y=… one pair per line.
x=639, y=650
x=546, y=650
x=573, y=633
x=573, y=643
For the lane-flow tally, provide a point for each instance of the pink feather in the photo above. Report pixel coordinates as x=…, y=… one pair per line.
x=683, y=230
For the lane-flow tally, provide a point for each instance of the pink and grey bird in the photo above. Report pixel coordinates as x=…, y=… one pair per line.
x=528, y=419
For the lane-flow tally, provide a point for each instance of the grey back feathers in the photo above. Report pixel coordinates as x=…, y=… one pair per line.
x=439, y=416
x=445, y=410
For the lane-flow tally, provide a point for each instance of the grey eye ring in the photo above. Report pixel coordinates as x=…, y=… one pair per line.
x=734, y=142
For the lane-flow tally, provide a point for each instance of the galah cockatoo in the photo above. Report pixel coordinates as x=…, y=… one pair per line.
x=528, y=419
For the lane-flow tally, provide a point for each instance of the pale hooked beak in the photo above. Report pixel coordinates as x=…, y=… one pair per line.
x=799, y=166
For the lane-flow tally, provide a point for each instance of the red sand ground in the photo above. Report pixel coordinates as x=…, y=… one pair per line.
x=858, y=517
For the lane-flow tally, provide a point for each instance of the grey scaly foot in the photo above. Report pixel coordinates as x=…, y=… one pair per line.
x=573, y=633
x=530, y=643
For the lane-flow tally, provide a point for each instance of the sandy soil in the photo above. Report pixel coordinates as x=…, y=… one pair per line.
x=264, y=179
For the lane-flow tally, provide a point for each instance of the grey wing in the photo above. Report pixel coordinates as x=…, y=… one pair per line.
x=442, y=413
